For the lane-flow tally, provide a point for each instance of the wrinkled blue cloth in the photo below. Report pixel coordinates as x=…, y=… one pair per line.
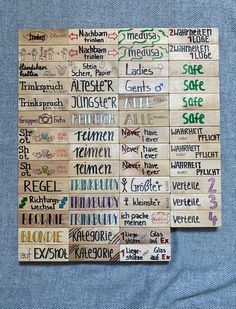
x=202, y=273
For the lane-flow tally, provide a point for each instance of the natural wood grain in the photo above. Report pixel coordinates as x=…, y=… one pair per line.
x=98, y=69
x=43, y=236
x=194, y=68
x=208, y=118
x=194, y=85
x=206, y=52
x=192, y=101
x=210, y=218
x=43, y=219
x=149, y=36
x=94, y=253
x=142, y=52
x=143, y=102
x=143, y=85
x=47, y=136
x=51, y=53
x=43, y=186
x=43, y=253
x=93, y=36
x=194, y=35
x=94, y=235
x=34, y=102
x=135, y=69
x=144, y=151
x=195, y=134
x=145, y=253
x=92, y=52
x=145, y=236
x=195, y=151
x=144, y=185
x=147, y=135
x=45, y=201
x=51, y=152
x=146, y=202
x=144, y=218
x=42, y=69
x=144, y=118
x=93, y=102
x=195, y=202
x=144, y=168
x=195, y=185
x=43, y=36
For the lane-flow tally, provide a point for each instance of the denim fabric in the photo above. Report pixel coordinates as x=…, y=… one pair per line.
x=202, y=273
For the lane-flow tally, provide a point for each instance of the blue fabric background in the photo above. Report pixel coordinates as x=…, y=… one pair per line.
x=202, y=273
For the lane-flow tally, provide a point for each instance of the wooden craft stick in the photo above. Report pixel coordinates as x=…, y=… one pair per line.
x=203, y=52
x=43, y=219
x=206, y=118
x=143, y=102
x=208, y=218
x=144, y=118
x=37, y=70
x=195, y=134
x=58, y=119
x=142, y=52
x=135, y=69
x=149, y=36
x=93, y=85
x=98, y=218
x=94, y=69
x=93, y=36
x=90, y=135
x=143, y=85
x=43, y=236
x=42, y=169
x=43, y=253
x=144, y=151
x=94, y=152
x=145, y=202
x=147, y=135
x=43, y=202
x=47, y=136
x=88, y=185
x=93, y=52
x=44, y=186
x=144, y=218
x=94, y=119
x=131, y=236
x=197, y=68
x=94, y=253
x=94, y=235
x=142, y=168
x=44, y=152
x=94, y=168
x=37, y=102
x=194, y=85
x=194, y=35
x=144, y=185
x=195, y=185
x=195, y=151
x=47, y=86
x=43, y=36
x=194, y=101
x=195, y=202
x=95, y=201
x=145, y=253
x=39, y=52
x=93, y=102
